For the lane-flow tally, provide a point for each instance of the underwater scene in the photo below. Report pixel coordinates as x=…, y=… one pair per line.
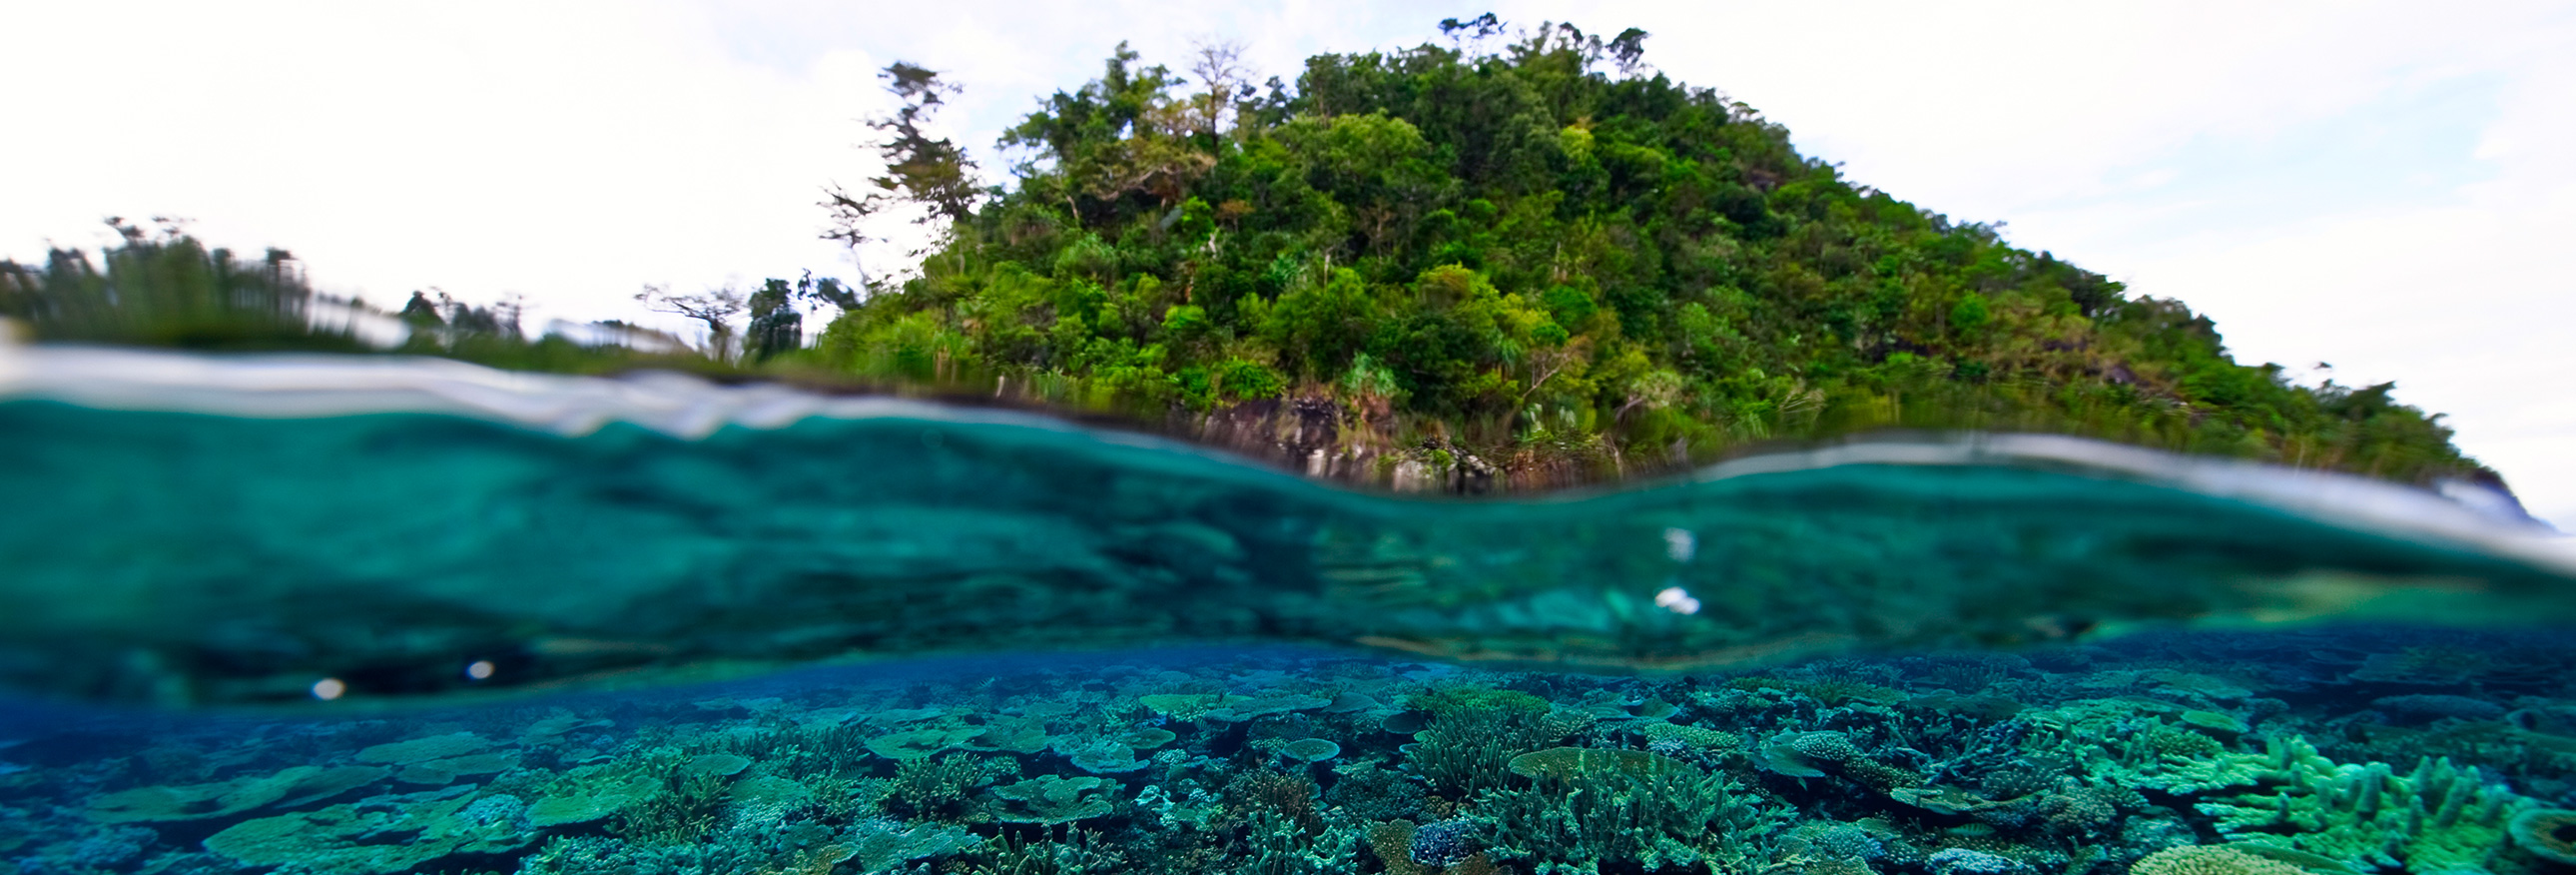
x=338, y=616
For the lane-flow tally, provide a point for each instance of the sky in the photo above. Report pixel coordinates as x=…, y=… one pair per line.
x=2362, y=185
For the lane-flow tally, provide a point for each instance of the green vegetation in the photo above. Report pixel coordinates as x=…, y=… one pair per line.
x=1546, y=256
x=1521, y=252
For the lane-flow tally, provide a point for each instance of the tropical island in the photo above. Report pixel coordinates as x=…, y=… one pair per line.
x=1511, y=261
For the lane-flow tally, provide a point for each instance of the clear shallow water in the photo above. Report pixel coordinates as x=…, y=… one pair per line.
x=343, y=616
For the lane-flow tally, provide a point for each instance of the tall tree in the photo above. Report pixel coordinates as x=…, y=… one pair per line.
x=1219, y=68
x=931, y=172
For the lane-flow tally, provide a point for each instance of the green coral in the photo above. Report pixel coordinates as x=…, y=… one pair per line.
x=1054, y=800
x=1079, y=852
x=1574, y=764
x=1474, y=734
x=1180, y=706
x=285, y=788
x=939, y=788
x=913, y=744
x=1817, y=754
x=2143, y=741
x=421, y=750
x=768, y=797
x=880, y=845
x=2436, y=817
x=1237, y=709
x=721, y=765
x=1099, y=756
x=589, y=793
x=1147, y=738
x=1312, y=750
x=1587, y=820
x=683, y=811
x=2217, y=723
x=380, y=836
x=442, y=772
x=1694, y=736
x=1012, y=734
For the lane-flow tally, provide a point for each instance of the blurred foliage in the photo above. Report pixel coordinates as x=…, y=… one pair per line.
x=162, y=287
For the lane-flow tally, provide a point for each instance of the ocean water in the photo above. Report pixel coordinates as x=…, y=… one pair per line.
x=327, y=616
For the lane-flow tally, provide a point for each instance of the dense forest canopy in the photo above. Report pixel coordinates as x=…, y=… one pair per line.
x=1545, y=244
x=1543, y=254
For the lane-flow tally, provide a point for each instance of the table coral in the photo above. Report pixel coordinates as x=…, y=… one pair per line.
x=378, y=836
x=589, y=793
x=419, y=750
x=1054, y=800
x=289, y=787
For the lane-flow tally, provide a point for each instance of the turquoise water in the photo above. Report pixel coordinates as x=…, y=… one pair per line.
x=312, y=615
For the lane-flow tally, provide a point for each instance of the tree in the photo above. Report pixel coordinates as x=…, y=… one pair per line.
x=1628, y=50
x=919, y=169
x=1219, y=68
x=712, y=307
x=1119, y=134
x=776, y=326
x=1469, y=35
x=421, y=312
x=1468, y=237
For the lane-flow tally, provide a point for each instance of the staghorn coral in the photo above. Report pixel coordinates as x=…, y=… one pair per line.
x=938, y=789
x=682, y=811
x=1288, y=797
x=1079, y=852
x=1472, y=737
x=1650, y=818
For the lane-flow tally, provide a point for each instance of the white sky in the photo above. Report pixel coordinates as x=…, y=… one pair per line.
x=2376, y=185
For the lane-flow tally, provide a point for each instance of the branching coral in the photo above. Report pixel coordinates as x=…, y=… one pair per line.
x=938, y=788
x=1472, y=737
x=1651, y=817
x=2436, y=817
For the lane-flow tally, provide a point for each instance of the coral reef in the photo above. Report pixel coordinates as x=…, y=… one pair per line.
x=2096, y=760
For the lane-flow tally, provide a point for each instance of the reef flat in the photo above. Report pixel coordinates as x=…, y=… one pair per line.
x=2321, y=751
